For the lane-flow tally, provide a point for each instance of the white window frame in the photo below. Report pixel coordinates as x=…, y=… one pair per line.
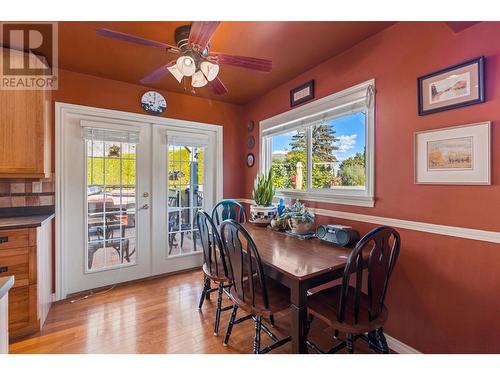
x=338, y=104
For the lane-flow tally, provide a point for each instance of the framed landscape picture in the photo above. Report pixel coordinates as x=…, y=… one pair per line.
x=457, y=155
x=457, y=86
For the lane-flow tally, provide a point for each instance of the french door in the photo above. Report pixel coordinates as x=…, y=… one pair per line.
x=183, y=183
x=128, y=197
x=105, y=195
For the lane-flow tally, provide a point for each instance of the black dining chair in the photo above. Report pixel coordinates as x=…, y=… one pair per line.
x=229, y=209
x=347, y=308
x=214, y=264
x=259, y=296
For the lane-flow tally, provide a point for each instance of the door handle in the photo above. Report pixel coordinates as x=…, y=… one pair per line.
x=4, y=239
x=145, y=206
x=3, y=269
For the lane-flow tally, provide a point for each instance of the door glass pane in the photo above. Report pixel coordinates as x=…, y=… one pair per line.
x=111, y=209
x=185, y=197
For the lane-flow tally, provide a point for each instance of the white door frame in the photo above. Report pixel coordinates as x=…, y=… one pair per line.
x=62, y=110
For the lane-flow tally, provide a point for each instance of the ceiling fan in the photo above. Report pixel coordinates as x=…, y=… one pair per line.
x=195, y=60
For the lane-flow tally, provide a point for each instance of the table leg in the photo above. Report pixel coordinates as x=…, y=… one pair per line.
x=298, y=297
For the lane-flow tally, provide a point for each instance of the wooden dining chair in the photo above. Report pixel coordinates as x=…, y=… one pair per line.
x=259, y=296
x=229, y=209
x=345, y=307
x=214, y=264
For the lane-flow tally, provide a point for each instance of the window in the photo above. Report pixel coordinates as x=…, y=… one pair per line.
x=323, y=151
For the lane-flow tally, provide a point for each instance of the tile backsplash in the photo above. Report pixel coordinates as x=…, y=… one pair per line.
x=18, y=193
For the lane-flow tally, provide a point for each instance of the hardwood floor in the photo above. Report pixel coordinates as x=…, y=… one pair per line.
x=154, y=316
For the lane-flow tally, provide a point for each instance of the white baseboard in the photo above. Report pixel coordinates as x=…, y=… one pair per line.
x=400, y=347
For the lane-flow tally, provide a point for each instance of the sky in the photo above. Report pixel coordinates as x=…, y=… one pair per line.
x=350, y=131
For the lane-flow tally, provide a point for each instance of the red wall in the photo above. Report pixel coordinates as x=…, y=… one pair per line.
x=444, y=294
x=99, y=92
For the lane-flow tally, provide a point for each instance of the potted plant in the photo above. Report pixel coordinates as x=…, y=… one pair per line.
x=279, y=223
x=300, y=220
x=263, y=211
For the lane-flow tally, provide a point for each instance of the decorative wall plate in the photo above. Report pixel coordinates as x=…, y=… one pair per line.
x=250, y=141
x=250, y=160
x=250, y=125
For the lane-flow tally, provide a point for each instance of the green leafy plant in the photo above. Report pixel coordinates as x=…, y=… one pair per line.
x=298, y=212
x=263, y=189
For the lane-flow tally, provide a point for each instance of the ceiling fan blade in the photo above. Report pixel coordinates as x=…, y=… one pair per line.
x=135, y=39
x=217, y=86
x=158, y=73
x=201, y=33
x=253, y=63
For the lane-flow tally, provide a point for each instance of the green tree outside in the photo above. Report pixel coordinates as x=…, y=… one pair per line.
x=96, y=173
x=352, y=170
x=323, y=147
x=180, y=167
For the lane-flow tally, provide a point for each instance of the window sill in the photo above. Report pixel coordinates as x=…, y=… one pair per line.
x=350, y=199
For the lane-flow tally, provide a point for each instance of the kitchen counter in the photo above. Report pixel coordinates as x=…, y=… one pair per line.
x=25, y=217
x=24, y=221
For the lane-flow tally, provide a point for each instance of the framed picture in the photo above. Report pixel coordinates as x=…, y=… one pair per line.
x=302, y=93
x=458, y=155
x=454, y=87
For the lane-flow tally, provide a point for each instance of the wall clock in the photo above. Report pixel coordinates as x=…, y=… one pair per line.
x=153, y=102
x=250, y=160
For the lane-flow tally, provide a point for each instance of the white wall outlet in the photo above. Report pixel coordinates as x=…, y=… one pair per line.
x=36, y=186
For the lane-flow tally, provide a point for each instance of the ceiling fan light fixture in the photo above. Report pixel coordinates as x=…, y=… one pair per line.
x=198, y=79
x=210, y=70
x=186, y=65
x=176, y=73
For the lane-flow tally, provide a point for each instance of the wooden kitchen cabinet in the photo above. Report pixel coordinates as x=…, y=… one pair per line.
x=25, y=132
x=26, y=254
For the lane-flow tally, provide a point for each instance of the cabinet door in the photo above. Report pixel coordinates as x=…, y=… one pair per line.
x=23, y=318
x=24, y=133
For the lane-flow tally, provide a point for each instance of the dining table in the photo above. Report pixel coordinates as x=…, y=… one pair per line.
x=299, y=265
